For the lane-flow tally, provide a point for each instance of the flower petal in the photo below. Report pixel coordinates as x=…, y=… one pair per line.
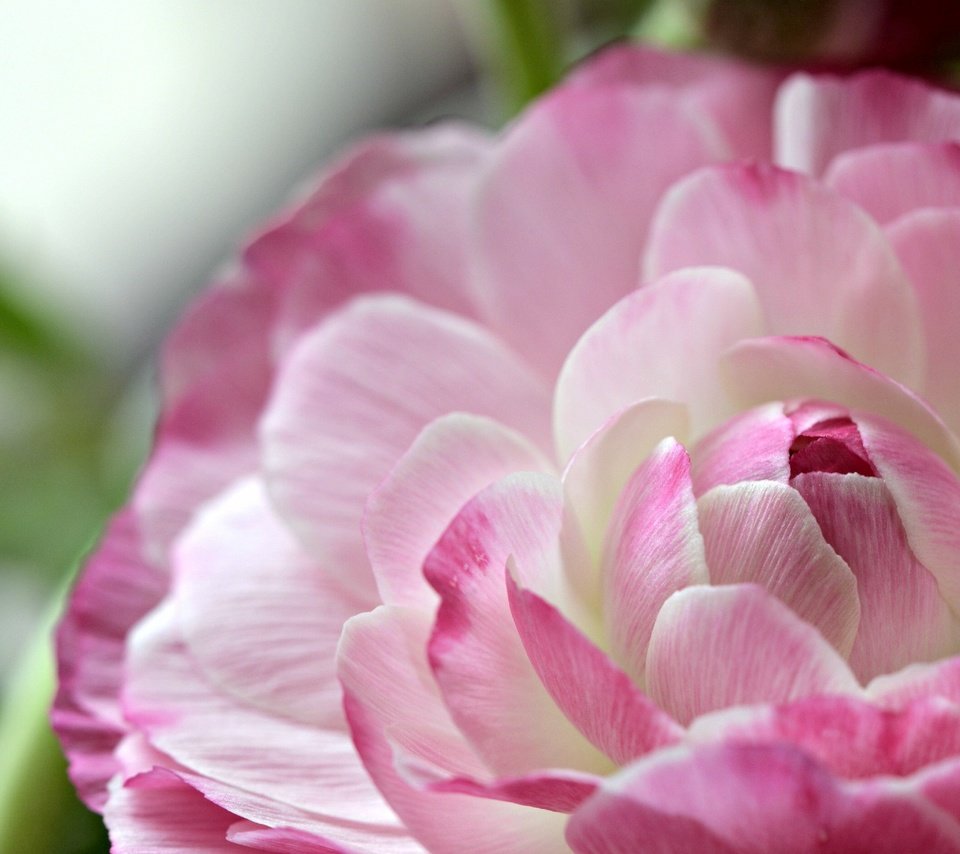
x=766, y=369
x=891, y=180
x=353, y=396
x=819, y=117
x=589, y=688
x=763, y=532
x=451, y=460
x=238, y=566
x=818, y=264
x=661, y=341
x=640, y=571
x=562, y=215
x=714, y=647
x=486, y=679
x=288, y=840
x=751, y=799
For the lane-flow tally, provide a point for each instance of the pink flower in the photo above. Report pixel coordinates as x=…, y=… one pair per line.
x=454, y=539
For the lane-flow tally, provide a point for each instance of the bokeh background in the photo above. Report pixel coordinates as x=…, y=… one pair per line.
x=142, y=140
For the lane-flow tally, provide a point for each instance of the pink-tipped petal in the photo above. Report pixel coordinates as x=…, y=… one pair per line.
x=452, y=459
x=752, y=799
x=486, y=679
x=595, y=694
x=766, y=369
x=888, y=181
x=654, y=548
x=763, y=532
x=600, y=468
x=903, y=617
x=939, y=679
x=737, y=98
x=286, y=840
x=818, y=118
x=753, y=445
x=557, y=791
x=928, y=245
x=392, y=214
x=237, y=566
x=562, y=215
x=158, y=813
x=117, y=588
x=282, y=767
x=662, y=341
x=353, y=396
x=713, y=647
x=819, y=265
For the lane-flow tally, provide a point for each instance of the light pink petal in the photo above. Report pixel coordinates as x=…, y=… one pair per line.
x=763, y=532
x=260, y=618
x=216, y=372
x=281, y=767
x=768, y=369
x=654, y=548
x=713, y=647
x=853, y=738
x=903, y=617
x=562, y=214
x=927, y=496
x=737, y=98
x=285, y=840
x=891, y=180
x=557, y=791
x=449, y=823
x=928, y=244
x=487, y=681
x=750, y=446
x=595, y=694
x=941, y=784
x=392, y=214
x=353, y=396
x=662, y=341
x=600, y=468
x=157, y=812
x=117, y=587
x=753, y=799
x=818, y=118
x=451, y=460
x=940, y=679
x=819, y=265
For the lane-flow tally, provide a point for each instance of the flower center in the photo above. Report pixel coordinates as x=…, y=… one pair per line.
x=832, y=445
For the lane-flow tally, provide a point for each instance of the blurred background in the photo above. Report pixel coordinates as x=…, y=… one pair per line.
x=143, y=140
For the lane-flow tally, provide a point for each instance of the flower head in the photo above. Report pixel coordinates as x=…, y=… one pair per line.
x=587, y=487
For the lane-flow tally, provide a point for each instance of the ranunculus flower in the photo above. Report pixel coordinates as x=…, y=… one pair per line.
x=592, y=486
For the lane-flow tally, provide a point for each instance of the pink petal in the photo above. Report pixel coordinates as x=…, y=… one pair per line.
x=237, y=566
x=157, y=812
x=819, y=265
x=392, y=214
x=284, y=840
x=753, y=799
x=118, y=587
x=282, y=768
x=451, y=460
x=563, y=212
x=737, y=98
x=600, y=468
x=903, y=618
x=763, y=532
x=928, y=245
x=927, y=496
x=939, y=679
x=853, y=738
x=714, y=647
x=818, y=118
x=662, y=341
x=487, y=681
x=354, y=395
x=641, y=571
x=598, y=697
x=750, y=446
x=449, y=823
x=891, y=180
x=558, y=791
x=767, y=369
